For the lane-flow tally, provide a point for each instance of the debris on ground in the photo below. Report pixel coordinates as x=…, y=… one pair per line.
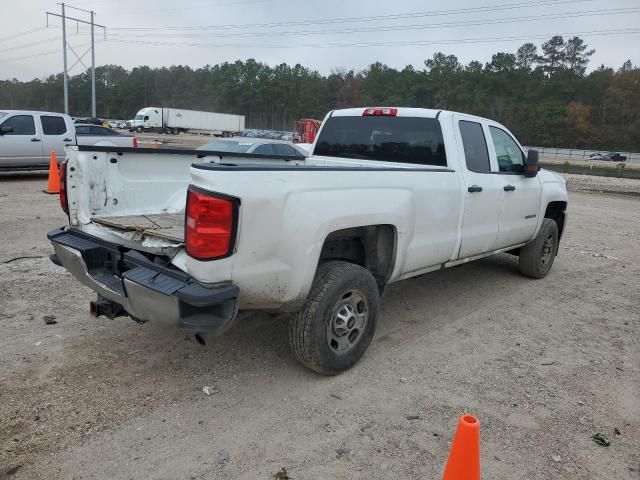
x=223, y=457
x=601, y=440
x=341, y=451
x=616, y=430
x=556, y=458
x=281, y=475
x=209, y=390
x=412, y=417
x=13, y=470
x=50, y=319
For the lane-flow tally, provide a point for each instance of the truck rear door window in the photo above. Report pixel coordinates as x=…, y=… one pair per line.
x=475, y=147
x=388, y=139
x=53, y=125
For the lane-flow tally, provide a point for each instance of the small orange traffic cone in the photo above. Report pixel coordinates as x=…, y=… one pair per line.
x=53, y=184
x=464, y=457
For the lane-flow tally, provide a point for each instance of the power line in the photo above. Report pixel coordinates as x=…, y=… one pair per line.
x=402, y=16
x=389, y=28
x=27, y=45
x=20, y=34
x=41, y=54
x=385, y=44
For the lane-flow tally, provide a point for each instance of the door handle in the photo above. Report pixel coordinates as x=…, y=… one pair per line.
x=35, y=139
x=66, y=140
x=474, y=189
x=509, y=188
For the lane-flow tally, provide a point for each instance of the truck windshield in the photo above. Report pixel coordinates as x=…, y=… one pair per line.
x=389, y=139
x=227, y=146
x=138, y=117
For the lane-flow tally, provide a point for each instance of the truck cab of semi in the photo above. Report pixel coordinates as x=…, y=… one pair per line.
x=148, y=118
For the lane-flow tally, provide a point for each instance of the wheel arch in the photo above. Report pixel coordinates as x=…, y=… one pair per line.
x=373, y=247
x=556, y=210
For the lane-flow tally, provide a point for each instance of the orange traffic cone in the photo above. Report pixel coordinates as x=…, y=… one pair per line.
x=53, y=184
x=464, y=457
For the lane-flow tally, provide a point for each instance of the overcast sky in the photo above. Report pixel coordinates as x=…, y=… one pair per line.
x=323, y=35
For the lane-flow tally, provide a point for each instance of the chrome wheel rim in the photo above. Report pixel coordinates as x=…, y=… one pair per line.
x=547, y=250
x=348, y=322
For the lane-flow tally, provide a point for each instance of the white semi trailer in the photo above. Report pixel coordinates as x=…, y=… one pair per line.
x=175, y=120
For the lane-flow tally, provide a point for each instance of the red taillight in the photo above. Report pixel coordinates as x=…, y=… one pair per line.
x=135, y=142
x=64, y=202
x=380, y=112
x=210, y=224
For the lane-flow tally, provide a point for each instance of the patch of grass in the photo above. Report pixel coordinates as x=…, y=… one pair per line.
x=601, y=171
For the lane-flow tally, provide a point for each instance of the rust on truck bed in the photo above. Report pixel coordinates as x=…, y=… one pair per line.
x=168, y=226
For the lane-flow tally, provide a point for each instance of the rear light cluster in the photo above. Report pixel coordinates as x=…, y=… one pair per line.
x=64, y=201
x=135, y=142
x=380, y=112
x=210, y=224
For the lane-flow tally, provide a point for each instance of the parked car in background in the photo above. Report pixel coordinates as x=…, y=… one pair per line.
x=259, y=146
x=93, y=121
x=27, y=138
x=616, y=157
x=89, y=134
x=610, y=157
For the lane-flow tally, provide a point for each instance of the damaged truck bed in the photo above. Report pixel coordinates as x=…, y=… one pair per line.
x=167, y=226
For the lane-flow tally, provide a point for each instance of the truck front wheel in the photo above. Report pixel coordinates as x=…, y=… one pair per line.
x=338, y=321
x=536, y=257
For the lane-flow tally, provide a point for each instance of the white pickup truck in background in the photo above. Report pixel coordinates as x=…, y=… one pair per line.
x=27, y=138
x=387, y=194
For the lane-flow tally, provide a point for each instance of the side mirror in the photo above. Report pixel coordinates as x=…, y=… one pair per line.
x=4, y=130
x=533, y=165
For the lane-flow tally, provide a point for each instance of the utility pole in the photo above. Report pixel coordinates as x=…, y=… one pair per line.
x=64, y=56
x=93, y=71
x=65, y=45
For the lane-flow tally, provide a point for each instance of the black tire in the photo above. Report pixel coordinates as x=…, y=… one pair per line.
x=312, y=333
x=536, y=257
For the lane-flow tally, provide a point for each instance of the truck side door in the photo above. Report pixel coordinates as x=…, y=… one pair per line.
x=482, y=189
x=22, y=146
x=520, y=196
x=55, y=135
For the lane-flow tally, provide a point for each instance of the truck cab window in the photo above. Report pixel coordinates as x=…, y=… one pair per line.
x=510, y=157
x=146, y=117
x=475, y=147
x=53, y=125
x=21, y=124
x=415, y=140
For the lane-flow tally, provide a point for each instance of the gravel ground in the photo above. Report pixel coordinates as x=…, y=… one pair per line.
x=543, y=364
x=589, y=183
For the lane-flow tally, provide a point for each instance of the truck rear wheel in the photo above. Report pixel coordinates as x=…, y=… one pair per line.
x=338, y=321
x=536, y=257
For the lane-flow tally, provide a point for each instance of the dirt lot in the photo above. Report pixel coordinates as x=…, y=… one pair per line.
x=543, y=364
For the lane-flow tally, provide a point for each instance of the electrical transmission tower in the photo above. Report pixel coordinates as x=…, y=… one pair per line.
x=79, y=58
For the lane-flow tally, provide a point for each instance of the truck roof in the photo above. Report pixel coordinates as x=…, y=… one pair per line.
x=31, y=112
x=404, y=112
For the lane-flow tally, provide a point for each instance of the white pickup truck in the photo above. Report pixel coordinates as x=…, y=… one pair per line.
x=387, y=194
x=27, y=138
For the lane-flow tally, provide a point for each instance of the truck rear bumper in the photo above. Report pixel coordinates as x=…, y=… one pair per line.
x=145, y=290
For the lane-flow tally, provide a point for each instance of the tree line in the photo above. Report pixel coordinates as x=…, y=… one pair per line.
x=543, y=95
